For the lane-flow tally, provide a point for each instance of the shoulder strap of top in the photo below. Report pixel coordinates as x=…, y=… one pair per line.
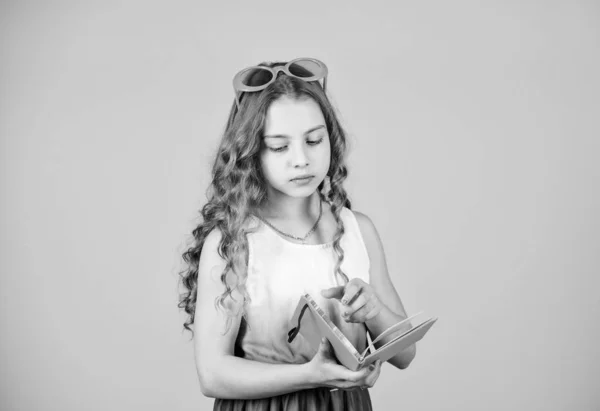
x=352, y=230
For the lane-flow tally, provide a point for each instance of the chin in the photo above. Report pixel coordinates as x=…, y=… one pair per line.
x=299, y=192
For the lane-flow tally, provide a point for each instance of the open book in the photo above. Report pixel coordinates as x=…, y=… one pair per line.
x=313, y=324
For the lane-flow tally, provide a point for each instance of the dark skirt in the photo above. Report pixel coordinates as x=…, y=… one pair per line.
x=319, y=399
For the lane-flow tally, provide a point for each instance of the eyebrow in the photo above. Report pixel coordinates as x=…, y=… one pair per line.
x=310, y=130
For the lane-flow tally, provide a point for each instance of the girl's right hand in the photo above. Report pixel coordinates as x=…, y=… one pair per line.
x=327, y=372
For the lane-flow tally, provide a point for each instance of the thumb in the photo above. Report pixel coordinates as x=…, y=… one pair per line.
x=333, y=292
x=325, y=347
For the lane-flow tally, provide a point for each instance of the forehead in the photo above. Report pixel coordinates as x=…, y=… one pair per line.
x=292, y=116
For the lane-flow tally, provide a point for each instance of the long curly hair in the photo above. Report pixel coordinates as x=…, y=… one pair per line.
x=238, y=188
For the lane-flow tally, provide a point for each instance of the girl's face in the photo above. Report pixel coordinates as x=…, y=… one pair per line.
x=295, y=151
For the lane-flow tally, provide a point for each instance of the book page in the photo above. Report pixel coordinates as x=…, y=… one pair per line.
x=391, y=330
x=400, y=343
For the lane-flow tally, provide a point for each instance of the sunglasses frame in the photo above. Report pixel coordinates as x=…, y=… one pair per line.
x=240, y=87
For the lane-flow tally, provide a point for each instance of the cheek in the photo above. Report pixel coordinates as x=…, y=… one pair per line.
x=264, y=166
x=326, y=155
x=269, y=166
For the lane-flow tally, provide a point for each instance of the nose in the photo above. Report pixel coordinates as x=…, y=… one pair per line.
x=299, y=156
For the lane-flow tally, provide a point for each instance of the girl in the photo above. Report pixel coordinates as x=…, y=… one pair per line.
x=277, y=225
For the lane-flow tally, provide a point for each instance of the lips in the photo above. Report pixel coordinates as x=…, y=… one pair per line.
x=304, y=177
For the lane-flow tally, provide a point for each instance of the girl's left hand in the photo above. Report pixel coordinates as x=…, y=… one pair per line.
x=359, y=300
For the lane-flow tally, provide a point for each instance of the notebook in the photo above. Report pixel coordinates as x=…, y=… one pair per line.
x=313, y=324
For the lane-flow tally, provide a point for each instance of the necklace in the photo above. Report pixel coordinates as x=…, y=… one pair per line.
x=303, y=239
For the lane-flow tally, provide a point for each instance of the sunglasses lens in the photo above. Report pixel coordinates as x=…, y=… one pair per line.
x=255, y=77
x=305, y=68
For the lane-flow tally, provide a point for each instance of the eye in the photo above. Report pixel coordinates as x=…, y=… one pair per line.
x=315, y=142
x=277, y=149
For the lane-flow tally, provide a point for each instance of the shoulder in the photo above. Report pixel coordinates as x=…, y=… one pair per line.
x=370, y=236
x=212, y=241
x=367, y=229
x=362, y=219
x=215, y=236
x=212, y=266
x=210, y=257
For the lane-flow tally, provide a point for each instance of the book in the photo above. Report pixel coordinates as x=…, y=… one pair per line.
x=313, y=324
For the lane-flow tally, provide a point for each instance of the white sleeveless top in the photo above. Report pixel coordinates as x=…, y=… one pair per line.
x=279, y=272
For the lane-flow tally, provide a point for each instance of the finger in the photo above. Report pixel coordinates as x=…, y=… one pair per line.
x=325, y=348
x=344, y=378
x=373, y=377
x=359, y=315
x=365, y=313
x=374, y=370
x=333, y=292
x=377, y=372
x=351, y=309
x=372, y=313
x=354, y=376
x=352, y=290
x=358, y=303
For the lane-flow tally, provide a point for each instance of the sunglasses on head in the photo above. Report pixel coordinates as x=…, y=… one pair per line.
x=257, y=78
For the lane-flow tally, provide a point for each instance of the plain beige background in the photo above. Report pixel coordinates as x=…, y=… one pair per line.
x=474, y=131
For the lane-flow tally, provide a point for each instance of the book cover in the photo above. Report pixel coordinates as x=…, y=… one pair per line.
x=313, y=323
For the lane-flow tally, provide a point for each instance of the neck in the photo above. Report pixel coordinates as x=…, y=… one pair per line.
x=284, y=207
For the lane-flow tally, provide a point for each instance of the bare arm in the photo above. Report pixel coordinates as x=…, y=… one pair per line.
x=222, y=375
x=393, y=311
